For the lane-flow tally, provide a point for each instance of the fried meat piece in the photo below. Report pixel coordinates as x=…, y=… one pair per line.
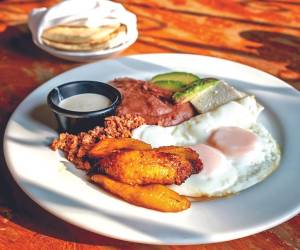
x=187, y=153
x=77, y=147
x=110, y=145
x=153, y=196
x=146, y=167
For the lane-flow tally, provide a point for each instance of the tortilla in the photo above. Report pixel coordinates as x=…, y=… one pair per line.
x=90, y=39
x=79, y=34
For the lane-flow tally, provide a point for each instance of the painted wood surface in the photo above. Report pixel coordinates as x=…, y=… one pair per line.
x=263, y=34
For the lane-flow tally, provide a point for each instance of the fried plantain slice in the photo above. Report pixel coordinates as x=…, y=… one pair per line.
x=146, y=167
x=110, y=145
x=155, y=196
x=187, y=153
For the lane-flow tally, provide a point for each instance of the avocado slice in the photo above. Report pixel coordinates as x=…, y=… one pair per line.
x=169, y=85
x=184, y=77
x=194, y=89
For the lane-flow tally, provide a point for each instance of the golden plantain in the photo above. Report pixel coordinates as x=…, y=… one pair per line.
x=187, y=153
x=146, y=167
x=155, y=196
x=110, y=145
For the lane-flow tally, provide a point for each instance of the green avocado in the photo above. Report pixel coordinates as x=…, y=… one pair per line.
x=194, y=89
x=183, y=77
x=169, y=85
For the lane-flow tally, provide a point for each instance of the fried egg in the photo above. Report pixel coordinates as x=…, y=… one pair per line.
x=237, y=152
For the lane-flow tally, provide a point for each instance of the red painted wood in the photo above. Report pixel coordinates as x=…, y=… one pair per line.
x=263, y=34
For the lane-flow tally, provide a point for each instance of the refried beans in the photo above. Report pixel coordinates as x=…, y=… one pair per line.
x=153, y=104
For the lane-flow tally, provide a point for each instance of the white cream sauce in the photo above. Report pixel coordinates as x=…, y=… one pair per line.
x=85, y=102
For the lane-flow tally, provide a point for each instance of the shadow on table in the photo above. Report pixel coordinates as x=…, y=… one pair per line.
x=271, y=46
x=277, y=47
x=16, y=40
x=31, y=216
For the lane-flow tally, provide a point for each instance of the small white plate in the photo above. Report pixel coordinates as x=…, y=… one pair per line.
x=56, y=185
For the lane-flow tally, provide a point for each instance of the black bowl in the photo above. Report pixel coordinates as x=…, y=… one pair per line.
x=77, y=121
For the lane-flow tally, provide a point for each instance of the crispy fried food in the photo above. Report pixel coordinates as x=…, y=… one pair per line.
x=187, y=153
x=153, y=196
x=146, y=167
x=110, y=145
x=77, y=147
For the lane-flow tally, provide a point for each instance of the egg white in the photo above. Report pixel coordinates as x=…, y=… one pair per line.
x=256, y=171
x=209, y=182
x=240, y=174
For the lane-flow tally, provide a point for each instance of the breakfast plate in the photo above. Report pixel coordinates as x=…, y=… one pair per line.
x=57, y=186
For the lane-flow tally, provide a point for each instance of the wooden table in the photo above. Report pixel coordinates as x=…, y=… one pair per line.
x=263, y=34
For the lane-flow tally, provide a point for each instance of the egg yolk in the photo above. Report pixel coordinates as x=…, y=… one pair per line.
x=211, y=158
x=233, y=141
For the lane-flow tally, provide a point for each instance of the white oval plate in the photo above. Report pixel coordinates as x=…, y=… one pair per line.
x=61, y=189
